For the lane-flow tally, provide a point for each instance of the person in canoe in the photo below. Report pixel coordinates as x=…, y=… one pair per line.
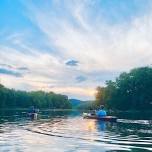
x=101, y=112
x=32, y=112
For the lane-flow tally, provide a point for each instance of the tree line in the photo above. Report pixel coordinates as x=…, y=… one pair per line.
x=10, y=98
x=130, y=91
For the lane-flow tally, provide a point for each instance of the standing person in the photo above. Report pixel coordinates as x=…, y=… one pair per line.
x=101, y=112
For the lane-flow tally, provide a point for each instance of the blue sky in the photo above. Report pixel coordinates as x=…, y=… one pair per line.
x=71, y=47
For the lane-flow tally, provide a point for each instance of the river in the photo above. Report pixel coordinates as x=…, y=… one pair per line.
x=67, y=131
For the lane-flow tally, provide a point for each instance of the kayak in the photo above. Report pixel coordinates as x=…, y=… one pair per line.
x=106, y=118
x=32, y=115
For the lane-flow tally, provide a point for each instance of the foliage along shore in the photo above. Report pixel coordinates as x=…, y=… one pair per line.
x=10, y=98
x=131, y=91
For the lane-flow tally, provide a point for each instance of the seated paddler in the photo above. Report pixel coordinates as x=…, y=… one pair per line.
x=32, y=110
x=101, y=112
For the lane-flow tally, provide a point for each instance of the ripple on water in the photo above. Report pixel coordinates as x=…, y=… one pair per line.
x=113, y=136
x=75, y=134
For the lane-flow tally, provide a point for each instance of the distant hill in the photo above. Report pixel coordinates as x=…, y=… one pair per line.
x=75, y=102
x=81, y=104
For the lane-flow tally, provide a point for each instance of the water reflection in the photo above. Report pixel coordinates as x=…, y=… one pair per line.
x=101, y=125
x=91, y=125
x=68, y=131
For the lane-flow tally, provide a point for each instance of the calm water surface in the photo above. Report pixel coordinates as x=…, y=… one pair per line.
x=59, y=131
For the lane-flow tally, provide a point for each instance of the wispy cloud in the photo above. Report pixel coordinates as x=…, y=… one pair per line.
x=6, y=65
x=76, y=45
x=10, y=72
x=12, y=67
x=102, y=45
x=23, y=68
x=80, y=79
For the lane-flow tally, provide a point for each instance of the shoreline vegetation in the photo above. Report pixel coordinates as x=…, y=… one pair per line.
x=130, y=92
x=10, y=98
x=76, y=109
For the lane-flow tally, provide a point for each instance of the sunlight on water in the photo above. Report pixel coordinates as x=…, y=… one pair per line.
x=73, y=133
x=90, y=126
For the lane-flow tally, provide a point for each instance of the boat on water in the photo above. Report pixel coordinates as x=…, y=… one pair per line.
x=32, y=112
x=32, y=115
x=105, y=118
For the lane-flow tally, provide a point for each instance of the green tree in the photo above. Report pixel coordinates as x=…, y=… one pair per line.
x=10, y=98
x=131, y=91
x=100, y=95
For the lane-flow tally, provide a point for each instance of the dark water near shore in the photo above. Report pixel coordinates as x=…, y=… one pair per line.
x=59, y=131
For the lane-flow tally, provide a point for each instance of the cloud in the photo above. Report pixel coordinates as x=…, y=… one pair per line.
x=10, y=72
x=6, y=65
x=72, y=63
x=98, y=45
x=84, y=93
x=23, y=68
x=80, y=79
x=86, y=32
x=13, y=67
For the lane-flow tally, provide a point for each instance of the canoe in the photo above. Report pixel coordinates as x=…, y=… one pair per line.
x=106, y=118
